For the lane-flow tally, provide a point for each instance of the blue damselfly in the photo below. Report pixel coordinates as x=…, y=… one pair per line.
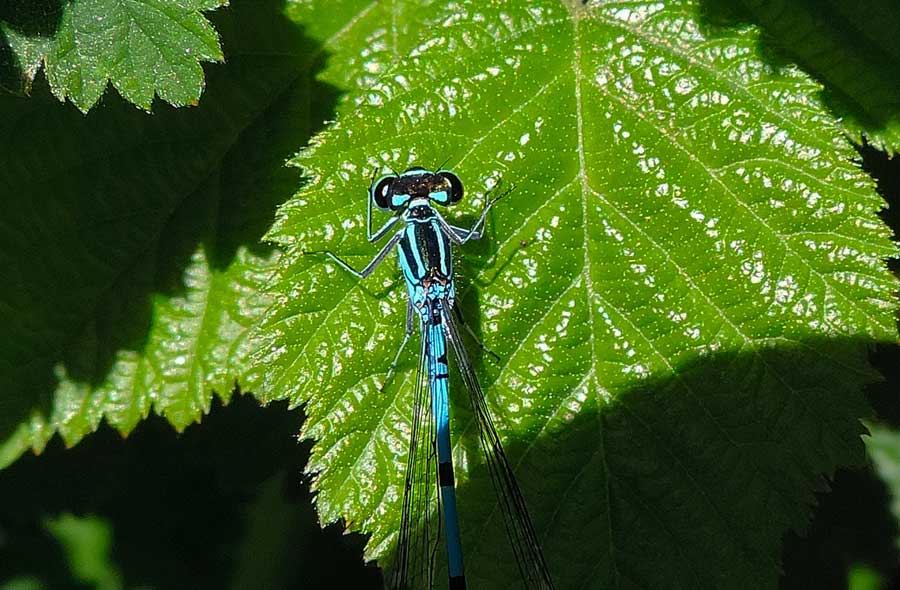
x=424, y=240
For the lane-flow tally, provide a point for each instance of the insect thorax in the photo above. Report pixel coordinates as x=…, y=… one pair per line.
x=427, y=263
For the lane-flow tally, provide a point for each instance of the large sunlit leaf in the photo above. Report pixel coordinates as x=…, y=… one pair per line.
x=130, y=244
x=681, y=287
x=146, y=48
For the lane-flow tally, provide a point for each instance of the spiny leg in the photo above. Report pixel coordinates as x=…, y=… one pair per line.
x=410, y=326
x=459, y=316
x=476, y=231
x=460, y=235
x=379, y=258
x=383, y=230
x=463, y=232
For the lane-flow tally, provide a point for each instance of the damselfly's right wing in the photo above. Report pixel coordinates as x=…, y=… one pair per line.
x=519, y=528
x=420, y=521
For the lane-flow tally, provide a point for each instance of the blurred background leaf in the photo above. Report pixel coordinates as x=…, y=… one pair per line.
x=87, y=542
x=221, y=505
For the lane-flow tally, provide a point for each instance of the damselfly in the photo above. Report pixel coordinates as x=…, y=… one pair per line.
x=424, y=240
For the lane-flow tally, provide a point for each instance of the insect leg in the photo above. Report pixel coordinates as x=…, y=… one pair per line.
x=410, y=326
x=384, y=229
x=475, y=232
x=459, y=316
x=379, y=258
x=479, y=225
x=463, y=232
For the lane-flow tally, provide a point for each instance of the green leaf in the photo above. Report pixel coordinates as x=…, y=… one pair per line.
x=883, y=447
x=144, y=47
x=87, y=542
x=681, y=288
x=863, y=577
x=851, y=47
x=130, y=246
x=364, y=39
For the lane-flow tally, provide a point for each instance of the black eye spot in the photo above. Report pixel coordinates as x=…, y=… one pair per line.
x=456, y=186
x=381, y=192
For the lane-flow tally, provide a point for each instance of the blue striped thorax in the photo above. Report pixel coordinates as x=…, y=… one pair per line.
x=425, y=248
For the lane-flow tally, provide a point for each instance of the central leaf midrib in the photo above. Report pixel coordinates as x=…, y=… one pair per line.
x=577, y=67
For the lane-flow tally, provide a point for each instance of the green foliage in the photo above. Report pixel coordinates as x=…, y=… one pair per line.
x=23, y=583
x=134, y=266
x=851, y=47
x=87, y=542
x=884, y=449
x=865, y=578
x=144, y=47
x=682, y=288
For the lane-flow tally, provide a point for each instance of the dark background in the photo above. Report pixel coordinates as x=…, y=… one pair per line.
x=853, y=525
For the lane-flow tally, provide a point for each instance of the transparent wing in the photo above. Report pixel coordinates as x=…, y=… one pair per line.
x=420, y=521
x=519, y=528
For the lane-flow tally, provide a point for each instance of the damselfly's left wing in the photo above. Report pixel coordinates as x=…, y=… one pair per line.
x=519, y=528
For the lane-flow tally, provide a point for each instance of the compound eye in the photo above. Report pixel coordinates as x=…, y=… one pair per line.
x=381, y=192
x=456, y=187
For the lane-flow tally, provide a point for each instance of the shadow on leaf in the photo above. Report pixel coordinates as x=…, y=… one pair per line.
x=853, y=526
x=852, y=49
x=34, y=19
x=111, y=217
x=688, y=481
